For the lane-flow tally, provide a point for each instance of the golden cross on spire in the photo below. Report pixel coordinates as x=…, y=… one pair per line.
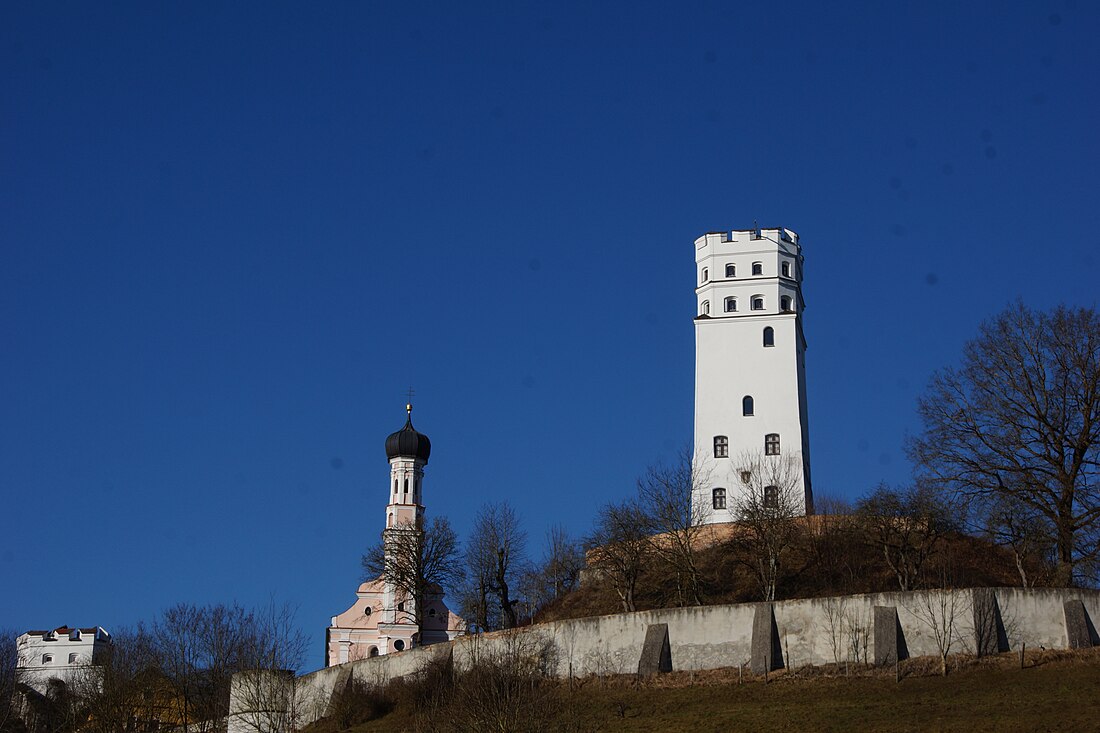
x=409, y=404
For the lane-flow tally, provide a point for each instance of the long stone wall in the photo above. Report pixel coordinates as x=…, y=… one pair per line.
x=869, y=628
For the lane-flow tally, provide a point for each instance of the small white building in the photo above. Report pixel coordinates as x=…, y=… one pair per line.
x=750, y=369
x=65, y=654
x=383, y=619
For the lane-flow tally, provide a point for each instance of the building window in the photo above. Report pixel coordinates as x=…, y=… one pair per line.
x=785, y=304
x=758, y=268
x=731, y=271
x=704, y=309
x=373, y=652
x=758, y=302
x=786, y=269
x=368, y=611
x=705, y=276
x=718, y=497
x=47, y=659
x=731, y=305
x=771, y=444
x=406, y=484
x=74, y=635
x=769, y=336
x=746, y=476
x=721, y=446
x=399, y=645
x=431, y=613
x=72, y=658
x=401, y=606
x=395, y=487
x=771, y=497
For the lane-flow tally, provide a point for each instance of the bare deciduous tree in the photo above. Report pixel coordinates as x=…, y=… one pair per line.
x=273, y=651
x=1025, y=532
x=557, y=574
x=942, y=612
x=905, y=525
x=619, y=548
x=767, y=506
x=675, y=508
x=9, y=661
x=201, y=648
x=496, y=559
x=418, y=562
x=127, y=688
x=1020, y=417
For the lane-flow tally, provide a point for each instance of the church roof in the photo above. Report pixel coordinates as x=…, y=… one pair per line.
x=408, y=442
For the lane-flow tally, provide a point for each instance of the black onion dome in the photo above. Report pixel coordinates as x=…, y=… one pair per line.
x=408, y=443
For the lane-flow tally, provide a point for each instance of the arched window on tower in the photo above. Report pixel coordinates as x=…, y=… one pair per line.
x=746, y=406
x=718, y=498
x=373, y=652
x=704, y=309
x=785, y=304
x=731, y=271
x=769, y=336
x=705, y=275
x=771, y=444
x=731, y=304
x=758, y=302
x=786, y=269
x=406, y=484
x=758, y=268
x=721, y=446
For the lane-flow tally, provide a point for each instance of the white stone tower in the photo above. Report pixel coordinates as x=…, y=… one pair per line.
x=751, y=428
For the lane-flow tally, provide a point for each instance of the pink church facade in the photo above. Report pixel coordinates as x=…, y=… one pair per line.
x=383, y=620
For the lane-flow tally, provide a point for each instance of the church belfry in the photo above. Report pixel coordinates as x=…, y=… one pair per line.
x=750, y=371
x=386, y=617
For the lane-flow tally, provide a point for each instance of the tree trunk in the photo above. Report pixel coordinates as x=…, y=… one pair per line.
x=1063, y=573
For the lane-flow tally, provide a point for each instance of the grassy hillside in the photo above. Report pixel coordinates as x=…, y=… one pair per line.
x=1055, y=691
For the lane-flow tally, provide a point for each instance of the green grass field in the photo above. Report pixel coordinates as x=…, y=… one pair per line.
x=1055, y=692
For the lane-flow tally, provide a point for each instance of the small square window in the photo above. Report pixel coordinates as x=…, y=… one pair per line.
x=746, y=476
x=758, y=268
x=758, y=303
x=72, y=658
x=731, y=271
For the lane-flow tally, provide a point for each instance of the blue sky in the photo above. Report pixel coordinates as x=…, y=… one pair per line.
x=233, y=235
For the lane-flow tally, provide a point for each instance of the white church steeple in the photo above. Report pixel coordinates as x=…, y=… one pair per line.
x=750, y=373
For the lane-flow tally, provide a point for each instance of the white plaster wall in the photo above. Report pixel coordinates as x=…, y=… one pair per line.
x=711, y=637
